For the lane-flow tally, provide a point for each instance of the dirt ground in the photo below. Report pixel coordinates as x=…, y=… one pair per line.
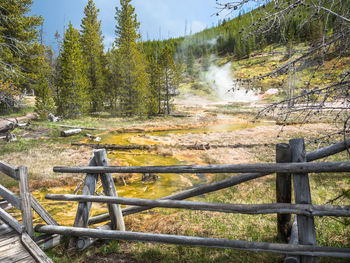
x=261, y=137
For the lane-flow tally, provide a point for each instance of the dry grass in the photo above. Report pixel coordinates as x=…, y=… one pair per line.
x=40, y=162
x=53, y=151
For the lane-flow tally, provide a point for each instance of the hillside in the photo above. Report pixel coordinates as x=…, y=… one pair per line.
x=239, y=51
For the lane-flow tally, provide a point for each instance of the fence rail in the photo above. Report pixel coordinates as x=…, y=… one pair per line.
x=322, y=167
x=283, y=208
x=306, y=250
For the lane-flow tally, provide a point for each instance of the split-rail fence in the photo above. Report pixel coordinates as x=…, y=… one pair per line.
x=292, y=167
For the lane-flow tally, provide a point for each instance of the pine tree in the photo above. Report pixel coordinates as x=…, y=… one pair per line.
x=94, y=58
x=44, y=103
x=156, y=94
x=169, y=75
x=112, y=83
x=19, y=55
x=72, y=99
x=133, y=78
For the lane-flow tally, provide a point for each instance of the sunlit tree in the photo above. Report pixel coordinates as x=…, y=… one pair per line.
x=133, y=78
x=72, y=99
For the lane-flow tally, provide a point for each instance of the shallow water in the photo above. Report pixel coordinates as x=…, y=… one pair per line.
x=137, y=137
x=166, y=184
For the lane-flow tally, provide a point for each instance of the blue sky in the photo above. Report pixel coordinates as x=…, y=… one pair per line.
x=158, y=18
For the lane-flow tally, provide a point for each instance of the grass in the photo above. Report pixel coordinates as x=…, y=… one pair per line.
x=330, y=231
x=264, y=62
x=111, y=247
x=325, y=187
x=19, y=112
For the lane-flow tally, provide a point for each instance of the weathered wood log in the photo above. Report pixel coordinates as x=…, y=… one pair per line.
x=196, y=241
x=294, y=240
x=180, y=115
x=115, y=212
x=115, y=146
x=203, y=146
x=9, y=170
x=10, y=197
x=333, y=167
x=34, y=249
x=7, y=126
x=203, y=189
x=283, y=191
x=23, y=125
x=26, y=207
x=328, y=151
x=68, y=133
x=300, y=209
x=48, y=241
x=302, y=195
x=84, y=243
x=42, y=212
x=53, y=118
x=83, y=128
x=207, y=146
x=7, y=218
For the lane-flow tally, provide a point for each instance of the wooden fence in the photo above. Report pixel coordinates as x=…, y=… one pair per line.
x=291, y=167
x=24, y=202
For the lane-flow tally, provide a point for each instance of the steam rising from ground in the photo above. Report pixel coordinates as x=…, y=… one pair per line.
x=221, y=81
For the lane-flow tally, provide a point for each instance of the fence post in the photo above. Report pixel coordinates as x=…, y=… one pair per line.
x=293, y=241
x=26, y=208
x=283, y=191
x=115, y=211
x=302, y=195
x=83, y=211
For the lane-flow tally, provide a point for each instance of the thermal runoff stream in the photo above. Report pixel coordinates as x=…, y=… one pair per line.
x=138, y=185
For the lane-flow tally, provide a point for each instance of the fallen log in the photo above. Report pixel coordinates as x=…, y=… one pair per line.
x=53, y=118
x=70, y=132
x=7, y=126
x=83, y=128
x=207, y=146
x=153, y=146
x=115, y=146
x=180, y=115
